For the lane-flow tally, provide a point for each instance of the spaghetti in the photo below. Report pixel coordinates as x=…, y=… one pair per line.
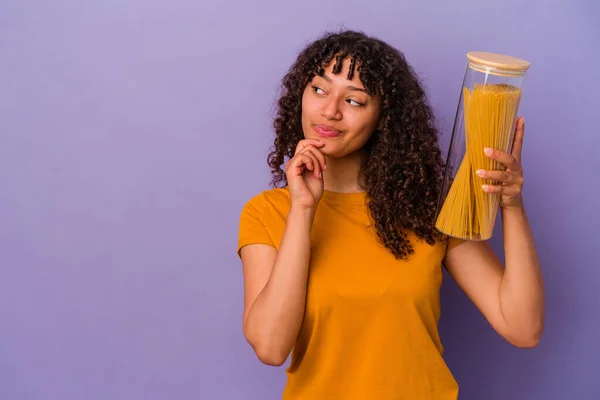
x=489, y=117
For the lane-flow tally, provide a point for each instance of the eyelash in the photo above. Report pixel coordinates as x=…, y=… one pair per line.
x=315, y=88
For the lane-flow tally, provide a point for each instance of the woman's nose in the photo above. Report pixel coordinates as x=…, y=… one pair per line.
x=331, y=109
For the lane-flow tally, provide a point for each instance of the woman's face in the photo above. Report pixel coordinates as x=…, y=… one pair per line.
x=339, y=111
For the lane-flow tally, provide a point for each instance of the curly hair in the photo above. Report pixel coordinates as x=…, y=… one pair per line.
x=402, y=171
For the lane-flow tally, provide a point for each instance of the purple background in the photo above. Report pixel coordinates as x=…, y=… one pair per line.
x=132, y=133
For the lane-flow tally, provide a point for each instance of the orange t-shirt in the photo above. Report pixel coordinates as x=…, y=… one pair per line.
x=370, y=328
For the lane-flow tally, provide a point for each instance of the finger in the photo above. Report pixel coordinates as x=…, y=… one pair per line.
x=503, y=157
x=509, y=190
x=498, y=176
x=299, y=163
x=306, y=162
x=317, y=153
x=316, y=166
x=518, y=140
x=304, y=142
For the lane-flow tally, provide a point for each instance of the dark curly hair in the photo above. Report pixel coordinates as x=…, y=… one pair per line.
x=403, y=169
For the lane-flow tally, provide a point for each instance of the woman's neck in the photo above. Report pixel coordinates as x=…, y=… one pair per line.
x=342, y=174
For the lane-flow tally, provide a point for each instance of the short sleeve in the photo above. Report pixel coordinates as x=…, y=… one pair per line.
x=252, y=229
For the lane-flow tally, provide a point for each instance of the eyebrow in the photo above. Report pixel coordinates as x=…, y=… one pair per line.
x=328, y=79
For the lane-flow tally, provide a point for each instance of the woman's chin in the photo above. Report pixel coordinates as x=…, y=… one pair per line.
x=331, y=152
x=331, y=149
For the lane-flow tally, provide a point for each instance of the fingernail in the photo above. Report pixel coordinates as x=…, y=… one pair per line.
x=324, y=166
x=488, y=151
x=485, y=187
x=480, y=172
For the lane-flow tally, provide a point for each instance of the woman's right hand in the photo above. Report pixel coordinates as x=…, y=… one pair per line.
x=304, y=174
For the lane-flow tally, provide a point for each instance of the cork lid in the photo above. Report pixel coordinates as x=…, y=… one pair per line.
x=497, y=64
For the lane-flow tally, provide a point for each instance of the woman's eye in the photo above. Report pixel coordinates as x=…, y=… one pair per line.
x=316, y=89
x=354, y=103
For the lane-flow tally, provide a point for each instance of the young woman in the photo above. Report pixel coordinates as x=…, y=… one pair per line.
x=342, y=264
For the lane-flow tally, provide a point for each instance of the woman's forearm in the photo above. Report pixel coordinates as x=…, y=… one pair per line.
x=522, y=287
x=275, y=317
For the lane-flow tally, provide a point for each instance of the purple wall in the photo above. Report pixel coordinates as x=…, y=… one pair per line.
x=132, y=134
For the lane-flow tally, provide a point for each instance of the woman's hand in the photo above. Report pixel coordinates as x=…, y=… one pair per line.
x=304, y=174
x=512, y=178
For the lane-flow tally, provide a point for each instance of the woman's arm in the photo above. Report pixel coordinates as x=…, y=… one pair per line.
x=275, y=281
x=275, y=289
x=522, y=287
x=511, y=297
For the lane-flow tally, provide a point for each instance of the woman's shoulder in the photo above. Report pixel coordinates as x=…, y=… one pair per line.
x=270, y=198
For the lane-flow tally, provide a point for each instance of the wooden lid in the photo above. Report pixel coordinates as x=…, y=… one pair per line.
x=481, y=61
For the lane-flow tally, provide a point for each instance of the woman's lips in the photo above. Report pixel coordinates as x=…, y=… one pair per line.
x=327, y=131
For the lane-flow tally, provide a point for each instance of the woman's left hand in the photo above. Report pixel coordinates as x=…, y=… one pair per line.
x=512, y=178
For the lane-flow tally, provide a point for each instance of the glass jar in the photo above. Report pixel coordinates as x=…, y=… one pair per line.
x=486, y=117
